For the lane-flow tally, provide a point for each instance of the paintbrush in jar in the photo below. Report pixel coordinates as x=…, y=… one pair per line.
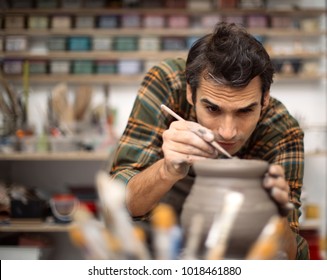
x=221, y=228
x=198, y=132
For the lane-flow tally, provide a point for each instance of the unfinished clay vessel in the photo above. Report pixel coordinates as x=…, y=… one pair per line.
x=216, y=178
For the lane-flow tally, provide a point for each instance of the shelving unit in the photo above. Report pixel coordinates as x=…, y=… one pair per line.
x=195, y=28
x=34, y=162
x=63, y=156
x=37, y=227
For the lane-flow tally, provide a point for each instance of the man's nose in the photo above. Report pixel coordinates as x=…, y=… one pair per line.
x=227, y=129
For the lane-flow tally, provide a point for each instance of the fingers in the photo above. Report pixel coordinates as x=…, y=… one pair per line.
x=278, y=188
x=189, y=138
x=184, y=143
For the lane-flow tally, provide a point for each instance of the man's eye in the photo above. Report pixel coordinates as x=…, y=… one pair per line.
x=212, y=108
x=246, y=111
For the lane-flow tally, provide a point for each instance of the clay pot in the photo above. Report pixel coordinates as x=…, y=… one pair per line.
x=217, y=177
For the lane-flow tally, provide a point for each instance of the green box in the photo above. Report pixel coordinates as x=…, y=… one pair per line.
x=82, y=67
x=106, y=67
x=126, y=44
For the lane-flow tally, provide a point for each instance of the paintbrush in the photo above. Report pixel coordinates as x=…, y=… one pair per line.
x=198, y=132
x=218, y=236
x=193, y=241
x=166, y=234
x=112, y=198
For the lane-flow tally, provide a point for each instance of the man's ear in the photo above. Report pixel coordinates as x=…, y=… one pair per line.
x=266, y=98
x=189, y=94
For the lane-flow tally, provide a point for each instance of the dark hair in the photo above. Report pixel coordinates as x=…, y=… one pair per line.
x=231, y=56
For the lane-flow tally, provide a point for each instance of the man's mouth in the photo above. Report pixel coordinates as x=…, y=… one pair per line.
x=227, y=145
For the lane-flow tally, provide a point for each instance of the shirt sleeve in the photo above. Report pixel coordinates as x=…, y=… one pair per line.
x=140, y=144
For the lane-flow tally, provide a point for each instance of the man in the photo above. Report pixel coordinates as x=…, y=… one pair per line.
x=224, y=90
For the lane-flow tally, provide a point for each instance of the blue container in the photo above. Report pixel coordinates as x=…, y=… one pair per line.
x=190, y=41
x=106, y=67
x=79, y=44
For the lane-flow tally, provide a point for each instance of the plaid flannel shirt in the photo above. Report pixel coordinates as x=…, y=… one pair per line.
x=277, y=138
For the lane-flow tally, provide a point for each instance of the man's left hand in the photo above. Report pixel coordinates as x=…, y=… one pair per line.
x=278, y=187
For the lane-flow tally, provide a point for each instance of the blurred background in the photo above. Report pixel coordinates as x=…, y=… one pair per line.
x=70, y=71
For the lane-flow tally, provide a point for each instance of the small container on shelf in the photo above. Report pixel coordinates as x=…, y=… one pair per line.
x=82, y=67
x=152, y=4
x=38, y=45
x=199, y=4
x=37, y=66
x=153, y=21
x=71, y=3
x=209, y=21
x=102, y=43
x=61, y=22
x=175, y=4
x=251, y=4
x=234, y=19
x=59, y=67
x=310, y=68
x=130, y=21
x=14, y=21
x=105, y=67
x=178, y=21
x=21, y=4
x=110, y=21
x=281, y=22
x=95, y=4
x=173, y=43
x=191, y=40
x=13, y=66
x=257, y=21
x=227, y=4
x=130, y=4
x=79, y=43
x=57, y=43
x=309, y=24
x=85, y=22
x=15, y=43
x=129, y=67
x=126, y=43
x=149, y=43
x=47, y=4
x=38, y=22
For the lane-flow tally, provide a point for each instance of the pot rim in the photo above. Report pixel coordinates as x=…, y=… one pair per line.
x=231, y=167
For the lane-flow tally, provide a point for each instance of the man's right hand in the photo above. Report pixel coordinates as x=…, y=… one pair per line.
x=183, y=143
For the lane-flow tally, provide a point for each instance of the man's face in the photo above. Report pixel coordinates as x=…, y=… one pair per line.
x=232, y=114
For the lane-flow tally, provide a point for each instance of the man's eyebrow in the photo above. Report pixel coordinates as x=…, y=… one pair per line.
x=250, y=106
x=208, y=102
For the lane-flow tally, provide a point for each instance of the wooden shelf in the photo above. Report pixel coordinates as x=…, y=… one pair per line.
x=36, y=227
x=144, y=55
x=182, y=32
x=167, y=11
x=111, y=79
x=116, y=79
x=101, y=55
x=64, y=156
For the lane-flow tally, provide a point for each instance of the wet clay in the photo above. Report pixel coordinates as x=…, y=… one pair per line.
x=214, y=179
